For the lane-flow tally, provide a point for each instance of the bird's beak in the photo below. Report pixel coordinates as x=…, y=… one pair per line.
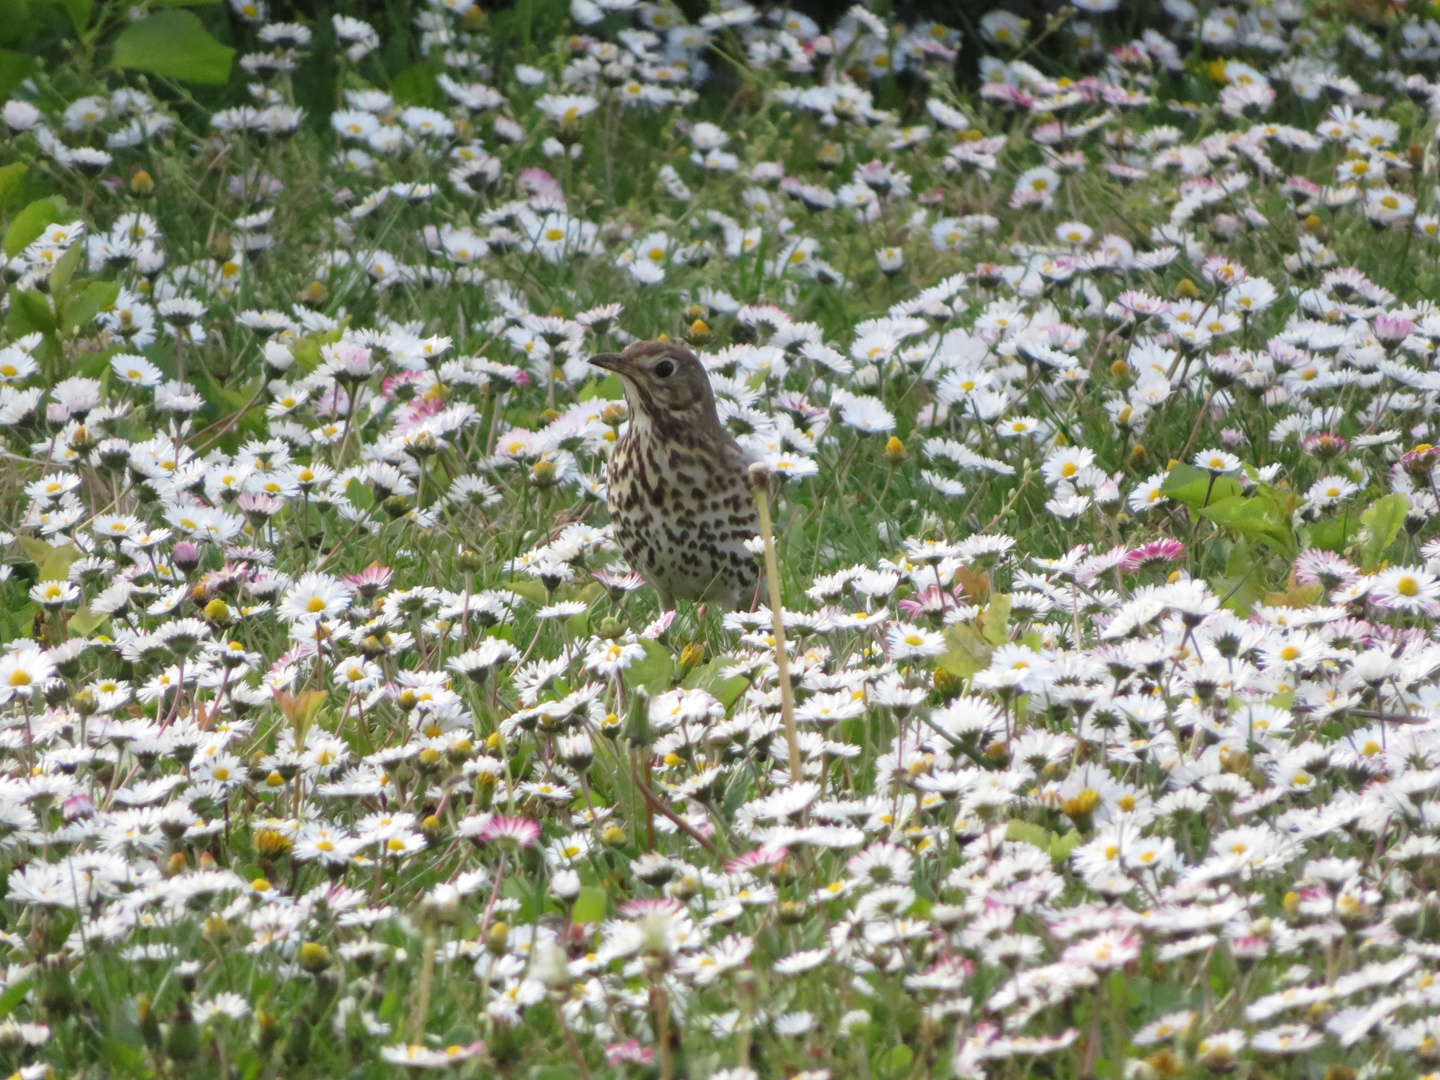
x=611, y=362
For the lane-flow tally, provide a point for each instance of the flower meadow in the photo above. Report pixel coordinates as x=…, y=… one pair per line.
x=1092, y=363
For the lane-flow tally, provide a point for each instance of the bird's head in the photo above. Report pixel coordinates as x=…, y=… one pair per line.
x=665, y=384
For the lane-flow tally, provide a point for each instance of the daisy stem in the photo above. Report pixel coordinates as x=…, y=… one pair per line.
x=758, y=479
x=422, y=993
x=494, y=893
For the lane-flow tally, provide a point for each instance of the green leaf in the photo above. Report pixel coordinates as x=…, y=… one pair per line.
x=589, y=905
x=30, y=312
x=29, y=223
x=899, y=1058
x=84, y=622
x=122, y=1056
x=710, y=676
x=416, y=85
x=65, y=269
x=1259, y=519
x=996, y=627
x=1189, y=485
x=15, y=68
x=174, y=45
x=654, y=672
x=54, y=562
x=359, y=495
x=79, y=308
x=1379, y=525
x=1243, y=584
x=13, y=996
x=10, y=175
x=607, y=389
x=1060, y=846
x=1334, y=535
x=530, y=589
x=968, y=653
x=307, y=350
x=1030, y=833
x=79, y=14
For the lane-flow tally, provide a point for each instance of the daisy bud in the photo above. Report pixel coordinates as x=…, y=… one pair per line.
x=57, y=991
x=314, y=295
x=314, y=957
x=183, y=1041
x=894, y=450
x=142, y=184
x=614, y=836
x=542, y=474
x=497, y=938
x=215, y=929
x=148, y=1021
x=265, y=1033
x=792, y=912
x=297, y=1045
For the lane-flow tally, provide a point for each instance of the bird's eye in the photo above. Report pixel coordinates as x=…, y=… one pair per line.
x=665, y=369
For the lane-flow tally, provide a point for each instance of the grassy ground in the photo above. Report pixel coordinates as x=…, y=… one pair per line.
x=1096, y=393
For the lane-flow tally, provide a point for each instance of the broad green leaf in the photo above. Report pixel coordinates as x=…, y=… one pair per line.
x=589, y=905
x=607, y=389
x=122, y=1057
x=307, y=350
x=996, y=626
x=64, y=270
x=529, y=588
x=13, y=996
x=710, y=676
x=1379, y=525
x=54, y=562
x=654, y=672
x=1334, y=535
x=1258, y=519
x=1189, y=485
x=359, y=495
x=174, y=45
x=79, y=11
x=15, y=68
x=1062, y=846
x=84, y=622
x=899, y=1058
x=13, y=174
x=30, y=312
x=29, y=223
x=967, y=654
x=1243, y=583
x=416, y=85
x=80, y=307
x=1030, y=833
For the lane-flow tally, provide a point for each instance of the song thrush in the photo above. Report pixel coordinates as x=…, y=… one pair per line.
x=678, y=482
